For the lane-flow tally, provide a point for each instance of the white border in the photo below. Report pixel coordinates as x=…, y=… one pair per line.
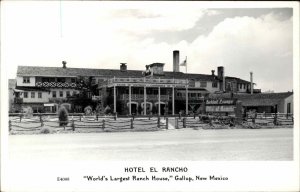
x=245, y=176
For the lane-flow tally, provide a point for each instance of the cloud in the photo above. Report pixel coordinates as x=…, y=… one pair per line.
x=98, y=37
x=243, y=44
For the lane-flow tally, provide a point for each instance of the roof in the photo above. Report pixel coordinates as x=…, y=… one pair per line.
x=75, y=72
x=259, y=99
x=237, y=79
x=12, y=83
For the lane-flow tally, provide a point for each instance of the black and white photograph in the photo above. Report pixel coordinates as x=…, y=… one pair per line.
x=149, y=96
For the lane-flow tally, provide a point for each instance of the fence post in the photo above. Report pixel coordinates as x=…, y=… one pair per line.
x=275, y=119
x=9, y=125
x=131, y=123
x=167, y=123
x=158, y=122
x=20, y=118
x=42, y=122
x=40, y=118
x=103, y=124
x=287, y=115
x=73, y=125
x=184, y=122
x=79, y=117
x=97, y=117
x=194, y=115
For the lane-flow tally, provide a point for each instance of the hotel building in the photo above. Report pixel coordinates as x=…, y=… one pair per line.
x=124, y=91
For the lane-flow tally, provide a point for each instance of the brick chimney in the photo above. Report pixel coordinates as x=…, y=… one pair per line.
x=64, y=64
x=213, y=72
x=176, y=61
x=123, y=67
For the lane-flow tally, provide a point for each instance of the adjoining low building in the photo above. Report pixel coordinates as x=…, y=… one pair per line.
x=261, y=102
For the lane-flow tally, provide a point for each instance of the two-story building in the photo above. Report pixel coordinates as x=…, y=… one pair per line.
x=125, y=91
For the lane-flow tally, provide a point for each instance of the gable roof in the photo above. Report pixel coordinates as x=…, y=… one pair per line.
x=237, y=79
x=75, y=72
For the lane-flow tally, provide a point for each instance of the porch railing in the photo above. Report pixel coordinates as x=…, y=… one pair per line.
x=147, y=80
x=56, y=84
x=141, y=97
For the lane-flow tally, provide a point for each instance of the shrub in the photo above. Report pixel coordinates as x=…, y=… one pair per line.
x=45, y=130
x=63, y=116
x=88, y=110
x=107, y=110
x=28, y=112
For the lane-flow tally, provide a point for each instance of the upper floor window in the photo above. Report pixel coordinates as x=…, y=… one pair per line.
x=26, y=79
x=61, y=93
x=54, y=94
x=203, y=84
x=32, y=94
x=68, y=93
x=244, y=86
x=25, y=94
x=61, y=79
x=39, y=94
x=214, y=84
x=241, y=86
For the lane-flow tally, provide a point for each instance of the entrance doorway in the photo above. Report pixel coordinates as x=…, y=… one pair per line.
x=163, y=107
x=134, y=107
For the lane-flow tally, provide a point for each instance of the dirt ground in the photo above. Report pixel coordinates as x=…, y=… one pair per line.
x=175, y=144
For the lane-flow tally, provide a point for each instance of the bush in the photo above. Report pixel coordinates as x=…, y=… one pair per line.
x=28, y=112
x=63, y=116
x=88, y=110
x=45, y=130
x=107, y=110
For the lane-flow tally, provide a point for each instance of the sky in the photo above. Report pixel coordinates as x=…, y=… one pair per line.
x=105, y=34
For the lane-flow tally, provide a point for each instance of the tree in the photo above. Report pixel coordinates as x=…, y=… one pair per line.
x=63, y=116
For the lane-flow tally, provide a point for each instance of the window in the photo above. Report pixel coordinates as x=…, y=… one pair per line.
x=32, y=94
x=54, y=94
x=39, y=95
x=61, y=93
x=73, y=80
x=215, y=84
x=68, y=93
x=26, y=79
x=241, y=86
x=244, y=86
x=193, y=94
x=203, y=84
x=25, y=94
x=61, y=79
x=199, y=94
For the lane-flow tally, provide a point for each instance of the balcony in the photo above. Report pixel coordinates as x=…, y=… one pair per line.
x=141, y=97
x=18, y=100
x=147, y=81
x=56, y=85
